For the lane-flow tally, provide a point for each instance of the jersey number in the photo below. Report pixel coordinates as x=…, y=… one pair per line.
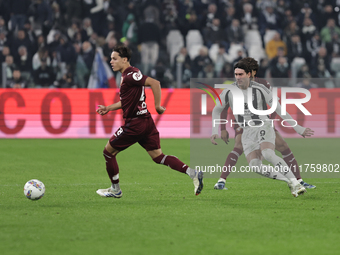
x=142, y=97
x=119, y=131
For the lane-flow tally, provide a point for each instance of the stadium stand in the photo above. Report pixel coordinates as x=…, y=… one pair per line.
x=66, y=34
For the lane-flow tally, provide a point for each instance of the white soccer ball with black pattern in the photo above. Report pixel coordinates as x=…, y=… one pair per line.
x=34, y=189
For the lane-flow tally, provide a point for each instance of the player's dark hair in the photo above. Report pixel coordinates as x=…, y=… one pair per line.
x=242, y=65
x=252, y=63
x=123, y=51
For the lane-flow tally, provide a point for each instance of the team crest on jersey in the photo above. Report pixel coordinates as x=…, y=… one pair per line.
x=137, y=76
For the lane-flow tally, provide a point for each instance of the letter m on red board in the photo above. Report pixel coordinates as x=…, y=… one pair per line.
x=95, y=99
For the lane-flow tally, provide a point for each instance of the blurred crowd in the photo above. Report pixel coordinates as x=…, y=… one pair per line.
x=52, y=43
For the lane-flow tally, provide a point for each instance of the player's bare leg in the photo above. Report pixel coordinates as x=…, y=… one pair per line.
x=113, y=172
x=174, y=163
x=230, y=162
x=287, y=155
x=267, y=151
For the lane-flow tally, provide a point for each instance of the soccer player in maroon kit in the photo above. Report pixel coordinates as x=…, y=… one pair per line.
x=280, y=144
x=139, y=125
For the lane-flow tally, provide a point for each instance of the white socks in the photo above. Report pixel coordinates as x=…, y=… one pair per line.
x=280, y=165
x=267, y=171
x=221, y=180
x=191, y=172
x=115, y=186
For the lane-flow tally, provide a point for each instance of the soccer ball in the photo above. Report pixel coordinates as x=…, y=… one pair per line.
x=34, y=189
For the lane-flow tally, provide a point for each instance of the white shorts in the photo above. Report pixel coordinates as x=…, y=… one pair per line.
x=252, y=137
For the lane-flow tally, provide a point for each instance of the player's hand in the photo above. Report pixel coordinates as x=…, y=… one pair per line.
x=225, y=136
x=308, y=133
x=212, y=139
x=160, y=109
x=102, y=110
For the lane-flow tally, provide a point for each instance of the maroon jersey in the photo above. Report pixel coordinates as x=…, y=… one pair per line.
x=132, y=93
x=262, y=81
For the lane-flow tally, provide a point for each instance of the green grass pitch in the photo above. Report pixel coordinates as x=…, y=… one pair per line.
x=158, y=213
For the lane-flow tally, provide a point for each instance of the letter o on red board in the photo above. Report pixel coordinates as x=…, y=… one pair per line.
x=46, y=112
x=20, y=102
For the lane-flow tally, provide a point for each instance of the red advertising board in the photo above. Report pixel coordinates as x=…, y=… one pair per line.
x=71, y=113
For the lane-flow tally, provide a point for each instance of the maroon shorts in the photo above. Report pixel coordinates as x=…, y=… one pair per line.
x=141, y=130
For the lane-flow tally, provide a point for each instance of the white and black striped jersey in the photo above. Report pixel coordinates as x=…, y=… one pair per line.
x=261, y=97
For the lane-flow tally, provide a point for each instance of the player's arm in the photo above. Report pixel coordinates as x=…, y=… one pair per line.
x=216, y=114
x=102, y=109
x=157, y=93
x=305, y=132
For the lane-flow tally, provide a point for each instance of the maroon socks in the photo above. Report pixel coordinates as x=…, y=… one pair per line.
x=230, y=162
x=290, y=160
x=111, y=166
x=172, y=162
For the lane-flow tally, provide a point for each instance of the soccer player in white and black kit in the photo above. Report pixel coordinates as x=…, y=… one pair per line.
x=139, y=125
x=280, y=144
x=258, y=138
